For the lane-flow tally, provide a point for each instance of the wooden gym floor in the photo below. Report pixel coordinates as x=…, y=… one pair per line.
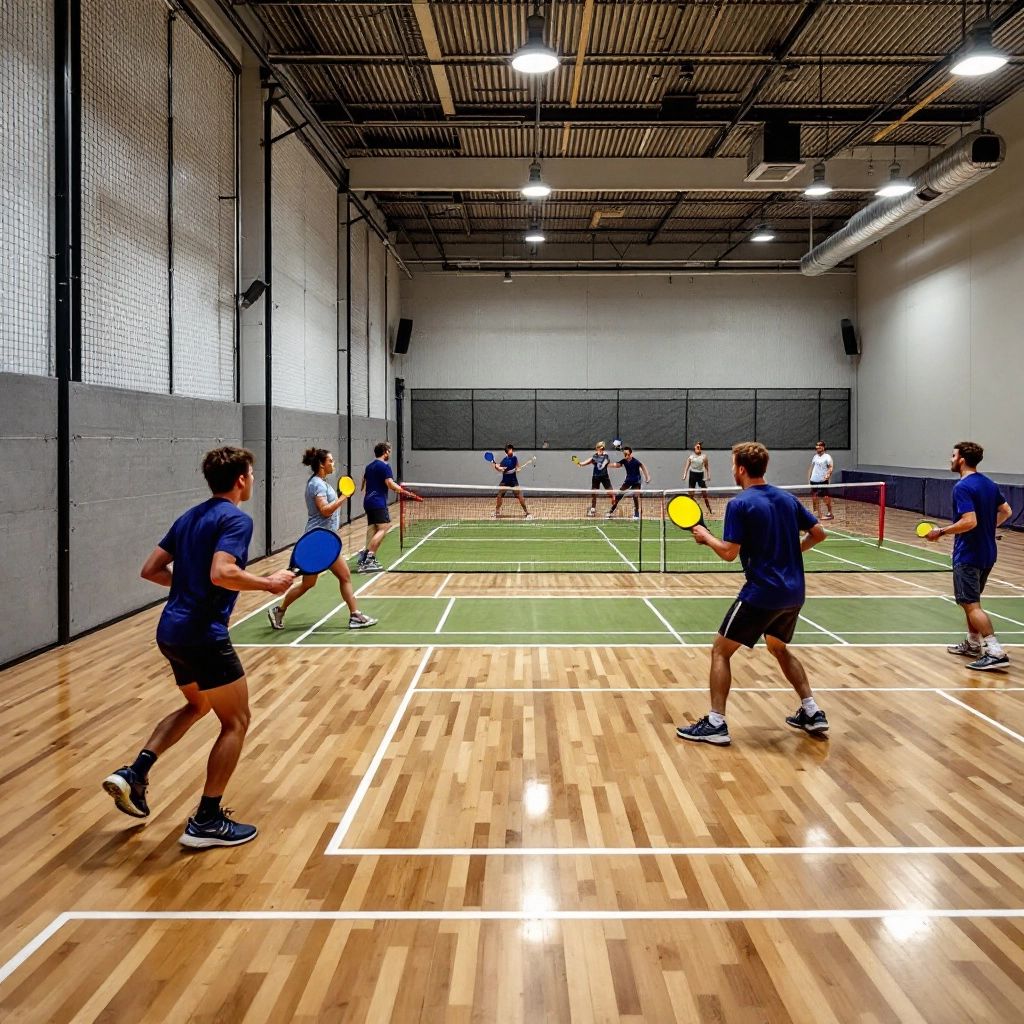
x=513, y=833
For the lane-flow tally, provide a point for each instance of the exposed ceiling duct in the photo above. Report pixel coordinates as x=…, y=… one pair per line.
x=974, y=157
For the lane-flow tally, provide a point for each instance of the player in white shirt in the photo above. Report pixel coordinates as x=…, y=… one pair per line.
x=698, y=469
x=820, y=473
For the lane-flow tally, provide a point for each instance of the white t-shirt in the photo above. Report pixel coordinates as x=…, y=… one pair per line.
x=820, y=466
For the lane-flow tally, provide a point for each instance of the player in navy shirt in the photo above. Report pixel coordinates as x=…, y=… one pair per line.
x=634, y=468
x=208, y=547
x=508, y=467
x=979, y=508
x=599, y=460
x=763, y=525
x=378, y=479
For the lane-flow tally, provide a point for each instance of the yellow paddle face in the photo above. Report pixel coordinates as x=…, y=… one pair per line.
x=923, y=529
x=347, y=486
x=575, y=460
x=684, y=512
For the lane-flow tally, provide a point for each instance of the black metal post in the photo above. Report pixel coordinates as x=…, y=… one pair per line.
x=171, y=18
x=348, y=341
x=67, y=274
x=268, y=335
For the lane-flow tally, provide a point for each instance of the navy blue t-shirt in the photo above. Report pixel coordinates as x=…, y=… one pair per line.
x=766, y=523
x=508, y=478
x=197, y=611
x=978, y=494
x=633, y=467
x=376, y=475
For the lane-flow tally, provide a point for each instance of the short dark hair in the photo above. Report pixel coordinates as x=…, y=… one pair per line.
x=752, y=456
x=510, y=447
x=822, y=443
x=381, y=447
x=315, y=458
x=970, y=452
x=627, y=449
x=223, y=466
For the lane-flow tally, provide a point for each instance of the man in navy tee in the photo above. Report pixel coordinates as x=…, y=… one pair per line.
x=634, y=468
x=979, y=508
x=763, y=525
x=208, y=547
x=378, y=479
x=508, y=467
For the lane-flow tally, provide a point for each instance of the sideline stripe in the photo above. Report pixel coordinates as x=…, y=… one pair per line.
x=974, y=711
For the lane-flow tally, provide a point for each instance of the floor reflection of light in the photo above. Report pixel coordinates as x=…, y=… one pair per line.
x=816, y=836
x=906, y=926
x=537, y=929
x=537, y=799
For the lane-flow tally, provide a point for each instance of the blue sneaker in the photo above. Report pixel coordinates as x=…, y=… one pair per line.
x=809, y=723
x=128, y=791
x=703, y=731
x=221, y=831
x=990, y=662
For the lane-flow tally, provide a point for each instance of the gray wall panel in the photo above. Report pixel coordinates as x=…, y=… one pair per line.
x=135, y=467
x=28, y=513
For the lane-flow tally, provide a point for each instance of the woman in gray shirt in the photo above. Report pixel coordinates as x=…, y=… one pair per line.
x=323, y=507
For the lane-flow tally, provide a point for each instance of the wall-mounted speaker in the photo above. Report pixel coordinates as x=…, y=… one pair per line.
x=402, y=336
x=850, y=342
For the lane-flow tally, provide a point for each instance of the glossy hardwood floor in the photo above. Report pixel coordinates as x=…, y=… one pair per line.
x=516, y=835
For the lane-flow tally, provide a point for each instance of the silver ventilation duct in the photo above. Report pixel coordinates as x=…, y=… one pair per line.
x=974, y=157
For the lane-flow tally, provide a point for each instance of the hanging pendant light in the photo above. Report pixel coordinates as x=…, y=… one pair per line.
x=535, y=187
x=534, y=235
x=819, y=186
x=897, y=185
x=534, y=57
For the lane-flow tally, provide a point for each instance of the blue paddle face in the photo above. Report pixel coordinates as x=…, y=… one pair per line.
x=488, y=456
x=316, y=551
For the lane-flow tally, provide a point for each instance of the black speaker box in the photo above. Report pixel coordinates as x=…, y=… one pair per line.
x=403, y=336
x=850, y=342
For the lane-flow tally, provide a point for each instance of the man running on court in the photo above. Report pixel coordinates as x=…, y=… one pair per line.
x=378, y=479
x=209, y=547
x=763, y=526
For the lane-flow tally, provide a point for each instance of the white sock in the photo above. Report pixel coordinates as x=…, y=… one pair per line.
x=716, y=719
x=810, y=708
x=993, y=646
x=975, y=639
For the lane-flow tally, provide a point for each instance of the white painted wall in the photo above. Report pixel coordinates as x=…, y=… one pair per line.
x=623, y=332
x=940, y=308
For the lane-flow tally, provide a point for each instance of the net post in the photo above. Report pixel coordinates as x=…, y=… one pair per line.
x=881, y=512
x=661, y=537
x=401, y=523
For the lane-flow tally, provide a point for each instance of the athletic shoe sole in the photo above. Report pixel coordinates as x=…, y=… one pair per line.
x=998, y=666
x=718, y=741
x=119, y=789
x=818, y=727
x=206, y=842
x=361, y=625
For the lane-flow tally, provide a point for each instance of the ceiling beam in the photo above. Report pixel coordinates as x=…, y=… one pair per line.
x=653, y=174
x=425, y=21
x=608, y=116
x=779, y=55
x=656, y=57
x=669, y=214
x=586, y=22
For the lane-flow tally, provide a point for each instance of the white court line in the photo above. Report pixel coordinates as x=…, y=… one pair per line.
x=447, y=579
x=665, y=622
x=892, y=914
x=364, y=784
x=667, y=595
x=587, y=643
x=974, y=711
x=838, y=558
x=319, y=622
x=892, y=543
x=681, y=851
x=827, y=631
x=703, y=689
x=447, y=612
x=532, y=632
x=991, y=614
x=616, y=550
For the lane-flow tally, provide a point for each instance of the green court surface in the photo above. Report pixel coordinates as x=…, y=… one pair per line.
x=601, y=621
x=515, y=544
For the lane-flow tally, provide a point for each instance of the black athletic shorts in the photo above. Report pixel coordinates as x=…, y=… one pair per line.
x=601, y=480
x=820, y=490
x=746, y=623
x=210, y=665
x=969, y=583
x=376, y=516
x=697, y=480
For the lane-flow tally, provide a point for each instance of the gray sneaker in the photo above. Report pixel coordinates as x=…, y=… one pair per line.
x=990, y=662
x=276, y=616
x=360, y=621
x=371, y=565
x=966, y=649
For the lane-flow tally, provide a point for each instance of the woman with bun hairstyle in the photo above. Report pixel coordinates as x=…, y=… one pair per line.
x=323, y=505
